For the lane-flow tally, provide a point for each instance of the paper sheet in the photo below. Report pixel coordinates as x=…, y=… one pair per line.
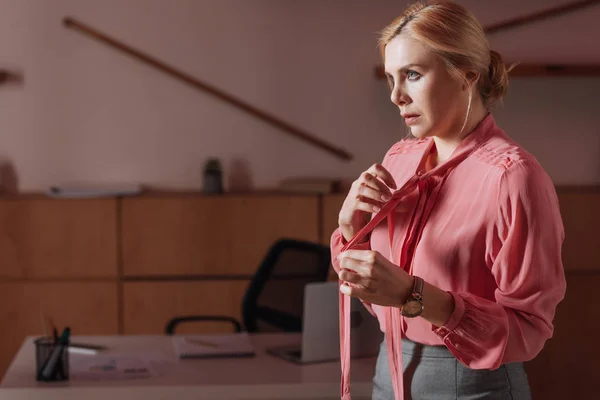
x=207, y=346
x=105, y=367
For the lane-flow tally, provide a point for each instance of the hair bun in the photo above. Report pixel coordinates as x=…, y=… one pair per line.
x=498, y=79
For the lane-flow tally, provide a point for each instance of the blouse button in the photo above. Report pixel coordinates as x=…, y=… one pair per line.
x=419, y=173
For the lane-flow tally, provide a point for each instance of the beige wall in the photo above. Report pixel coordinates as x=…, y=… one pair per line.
x=88, y=113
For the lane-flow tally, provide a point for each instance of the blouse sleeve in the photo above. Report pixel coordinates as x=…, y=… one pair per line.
x=524, y=251
x=338, y=241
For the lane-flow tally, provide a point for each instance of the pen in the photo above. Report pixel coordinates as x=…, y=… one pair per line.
x=48, y=370
x=44, y=324
x=53, y=329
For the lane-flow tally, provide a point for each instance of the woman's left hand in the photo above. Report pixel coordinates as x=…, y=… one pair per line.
x=373, y=278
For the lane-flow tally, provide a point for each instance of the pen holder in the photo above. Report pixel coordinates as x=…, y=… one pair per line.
x=51, y=360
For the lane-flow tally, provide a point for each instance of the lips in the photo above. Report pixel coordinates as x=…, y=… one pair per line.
x=410, y=118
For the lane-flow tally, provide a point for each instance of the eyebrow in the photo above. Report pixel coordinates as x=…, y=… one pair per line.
x=406, y=68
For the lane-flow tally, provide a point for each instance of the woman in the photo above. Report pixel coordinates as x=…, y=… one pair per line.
x=461, y=259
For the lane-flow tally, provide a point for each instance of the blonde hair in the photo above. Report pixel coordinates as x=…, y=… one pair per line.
x=454, y=34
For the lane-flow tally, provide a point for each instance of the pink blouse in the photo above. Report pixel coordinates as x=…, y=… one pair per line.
x=485, y=226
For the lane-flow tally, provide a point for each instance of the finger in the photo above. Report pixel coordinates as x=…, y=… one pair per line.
x=383, y=174
x=364, y=256
x=367, y=206
x=352, y=277
x=375, y=194
x=370, y=179
x=354, y=291
x=357, y=267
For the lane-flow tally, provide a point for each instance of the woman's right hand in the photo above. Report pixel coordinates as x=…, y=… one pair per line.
x=366, y=196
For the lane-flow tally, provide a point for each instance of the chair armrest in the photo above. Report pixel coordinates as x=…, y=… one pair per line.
x=172, y=324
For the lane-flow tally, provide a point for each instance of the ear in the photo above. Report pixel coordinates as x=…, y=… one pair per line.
x=471, y=79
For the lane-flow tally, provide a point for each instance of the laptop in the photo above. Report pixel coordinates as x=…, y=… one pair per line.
x=320, y=328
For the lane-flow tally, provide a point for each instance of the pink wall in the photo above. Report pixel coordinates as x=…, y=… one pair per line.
x=87, y=113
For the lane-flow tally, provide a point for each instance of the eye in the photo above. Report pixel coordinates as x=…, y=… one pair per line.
x=412, y=75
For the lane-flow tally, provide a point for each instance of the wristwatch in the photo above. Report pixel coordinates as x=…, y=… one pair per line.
x=413, y=306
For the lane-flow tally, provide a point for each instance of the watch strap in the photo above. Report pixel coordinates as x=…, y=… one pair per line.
x=417, y=287
x=415, y=296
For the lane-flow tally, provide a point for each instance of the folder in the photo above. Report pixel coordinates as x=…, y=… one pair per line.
x=213, y=346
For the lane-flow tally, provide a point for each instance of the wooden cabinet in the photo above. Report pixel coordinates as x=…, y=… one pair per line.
x=58, y=259
x=129, y=265
x=331, y=209
x=581, y=217
x=86, y=307
x=175, y=236
x=148, y=306
x=46, y=238
x=257, y=222
x=210, y=236
x=567, y=367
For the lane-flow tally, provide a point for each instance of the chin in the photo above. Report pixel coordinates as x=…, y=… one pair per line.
x=420, y=132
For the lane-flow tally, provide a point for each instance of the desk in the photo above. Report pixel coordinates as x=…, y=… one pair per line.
x=261, y=377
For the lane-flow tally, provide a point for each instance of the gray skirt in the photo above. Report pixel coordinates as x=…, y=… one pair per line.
x=432, y=372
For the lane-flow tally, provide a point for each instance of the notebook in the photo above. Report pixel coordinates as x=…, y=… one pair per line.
x=84, y=348
x=213, y=346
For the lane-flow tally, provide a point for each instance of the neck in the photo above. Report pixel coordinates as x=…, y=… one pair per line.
x=446, y=146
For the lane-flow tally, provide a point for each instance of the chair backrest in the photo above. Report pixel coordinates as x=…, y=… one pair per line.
x=275, y=295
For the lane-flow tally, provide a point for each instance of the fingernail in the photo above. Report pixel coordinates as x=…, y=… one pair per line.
x=385, y=197
x=376, y=209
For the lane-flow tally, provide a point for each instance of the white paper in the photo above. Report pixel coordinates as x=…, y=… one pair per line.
x=76, y=191
x=101, y=367
x=200, y=346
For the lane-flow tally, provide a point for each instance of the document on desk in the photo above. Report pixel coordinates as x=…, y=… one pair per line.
x=115, y=367
x=213, y=346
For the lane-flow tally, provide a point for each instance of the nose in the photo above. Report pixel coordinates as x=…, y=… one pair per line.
x=398, y=96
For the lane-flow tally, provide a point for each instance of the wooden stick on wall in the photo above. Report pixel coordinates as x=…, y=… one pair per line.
x=556, y=70
x=540, y=15
x=284, y=126
x=537, y=70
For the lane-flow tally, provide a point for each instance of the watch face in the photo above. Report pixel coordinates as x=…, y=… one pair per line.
x=412, y=308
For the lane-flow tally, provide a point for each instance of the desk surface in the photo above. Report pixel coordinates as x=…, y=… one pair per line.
x=263, y=376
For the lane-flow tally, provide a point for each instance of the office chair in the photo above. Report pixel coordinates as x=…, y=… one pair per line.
x=274, y=298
